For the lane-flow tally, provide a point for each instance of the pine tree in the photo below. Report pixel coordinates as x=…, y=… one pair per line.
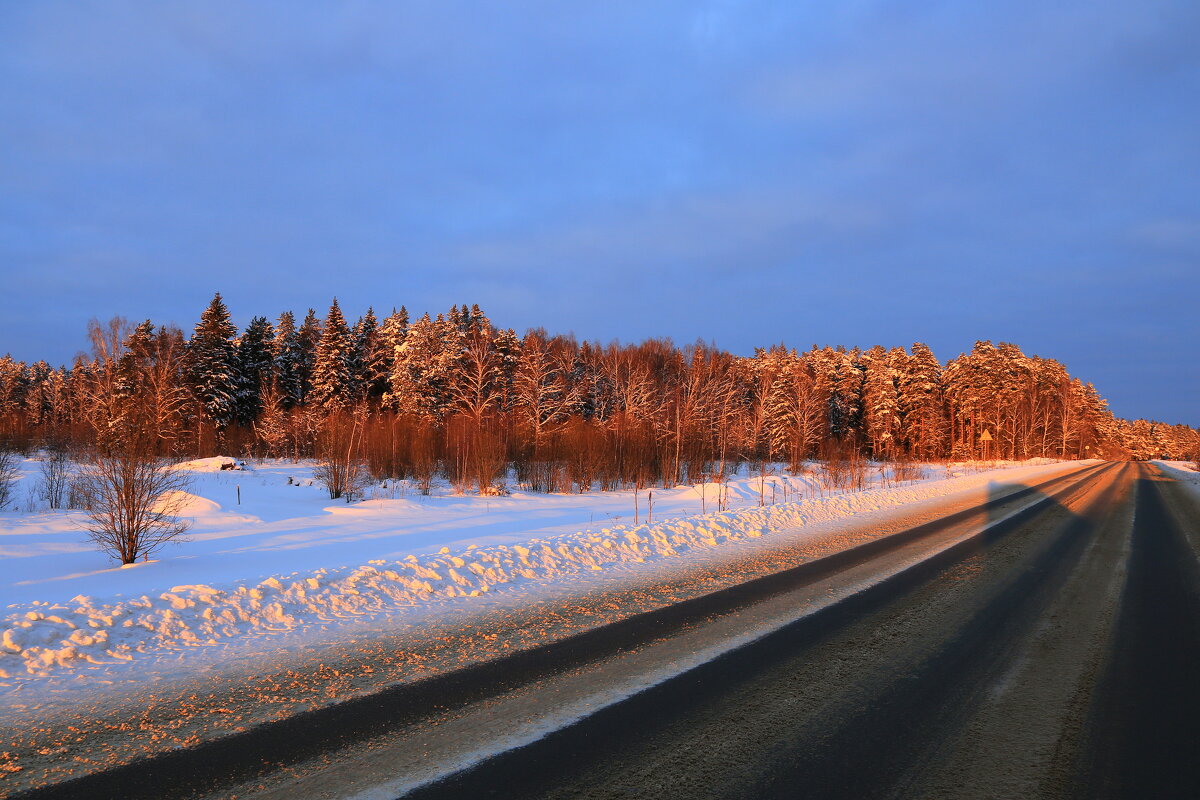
x=212, y=370
x=475, y=321
x=256, y=371
x=288, y=355
x=332, y=382
x=823, y=366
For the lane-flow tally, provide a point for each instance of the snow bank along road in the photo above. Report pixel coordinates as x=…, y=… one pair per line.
x=971, y=655
x=332, y=563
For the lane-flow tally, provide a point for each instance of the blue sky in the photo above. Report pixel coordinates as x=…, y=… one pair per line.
x=743, y=172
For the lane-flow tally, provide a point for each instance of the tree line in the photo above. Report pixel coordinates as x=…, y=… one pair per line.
x=455, y=396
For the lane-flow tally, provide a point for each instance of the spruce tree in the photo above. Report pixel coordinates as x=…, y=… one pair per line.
x=422, y=372
x=846, y=406
x=289, y=361
x=255, y=368
x=508, y=353
x=364, y=340
x=310, y=337
x=131, y=367
x=382, y=358
x=212, y=369
x=332, y=383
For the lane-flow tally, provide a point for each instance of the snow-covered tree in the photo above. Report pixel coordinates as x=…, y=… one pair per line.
x=289, y=358
x=256, y=368
x=921, y=404
x=881, y=402
x=212, y=367
x=423, y=370
x=382, y=357
x=271, y=427
x=364, y=340
x=539, y=385
x=332, y=382
x=310, y=337
x=794, y=411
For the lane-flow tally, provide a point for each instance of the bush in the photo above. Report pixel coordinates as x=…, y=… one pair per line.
x=56, y=478
x=9, y=474
x=133, y=502
x=905, y=469
x=340, y=467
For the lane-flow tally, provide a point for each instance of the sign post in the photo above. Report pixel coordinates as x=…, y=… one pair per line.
x=985, y=439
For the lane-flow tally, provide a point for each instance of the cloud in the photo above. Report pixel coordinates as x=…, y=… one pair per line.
x=758, y=171
x=749, y=230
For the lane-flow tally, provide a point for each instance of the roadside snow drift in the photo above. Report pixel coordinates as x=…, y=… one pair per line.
x=212, y=590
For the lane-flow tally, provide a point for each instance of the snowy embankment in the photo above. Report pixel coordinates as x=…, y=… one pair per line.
x=1184, y=472
x=287, y=560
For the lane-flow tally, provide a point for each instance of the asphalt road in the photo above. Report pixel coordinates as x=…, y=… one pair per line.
x=1048, y=648
x=1057, y=658
x=1144, y=730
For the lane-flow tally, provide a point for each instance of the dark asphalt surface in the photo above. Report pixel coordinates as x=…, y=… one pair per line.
x=1145, y=723
x=837, y=705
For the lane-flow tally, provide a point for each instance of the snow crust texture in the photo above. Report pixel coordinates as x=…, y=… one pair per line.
x=43, y=637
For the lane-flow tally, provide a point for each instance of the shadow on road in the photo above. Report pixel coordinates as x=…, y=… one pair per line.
x=708, y=733
x=1144, y=725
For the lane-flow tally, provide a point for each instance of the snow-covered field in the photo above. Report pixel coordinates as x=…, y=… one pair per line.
x=289, y=561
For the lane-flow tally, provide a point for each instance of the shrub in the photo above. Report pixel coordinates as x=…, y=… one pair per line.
x=9, y=474
x=56, y=478
x=133, y=502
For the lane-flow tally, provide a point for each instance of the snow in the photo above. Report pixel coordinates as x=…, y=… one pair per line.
x=1185, y=473
x=287, y=560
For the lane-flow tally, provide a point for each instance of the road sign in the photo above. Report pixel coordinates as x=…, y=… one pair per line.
x=985, y=436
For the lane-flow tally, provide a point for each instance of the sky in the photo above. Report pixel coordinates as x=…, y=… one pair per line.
x=744, y=173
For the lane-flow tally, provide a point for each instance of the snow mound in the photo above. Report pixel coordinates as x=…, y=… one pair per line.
x=214, y=464
x=40, y=638
x=188, y=504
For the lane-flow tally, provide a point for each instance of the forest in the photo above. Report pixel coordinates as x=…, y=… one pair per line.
x=455, y=397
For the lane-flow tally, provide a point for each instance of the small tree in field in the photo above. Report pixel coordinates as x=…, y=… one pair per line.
x=56, y=477
x=9, y=472
x=340, y=465
x=133, y=502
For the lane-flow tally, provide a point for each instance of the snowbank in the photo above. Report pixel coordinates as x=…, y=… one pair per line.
x=42, y=637
x=1185, y=473
x=214, y=464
